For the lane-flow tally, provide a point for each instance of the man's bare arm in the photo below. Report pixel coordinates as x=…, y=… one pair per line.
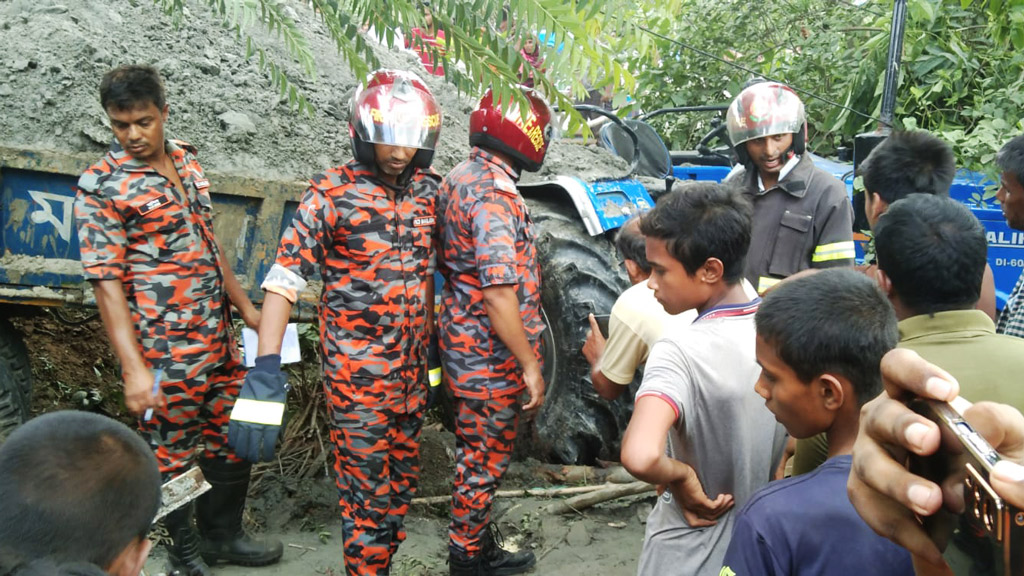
x=643, y=455
x=593, y=349
x=273, y=321
x=236, y=294
x=117, y=320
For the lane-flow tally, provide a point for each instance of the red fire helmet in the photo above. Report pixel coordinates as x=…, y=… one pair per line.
x=766, y=109
x=505, y=129
x=394, y=108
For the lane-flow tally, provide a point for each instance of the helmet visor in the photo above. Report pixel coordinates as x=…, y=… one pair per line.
x=764, y=110
x=398, y=114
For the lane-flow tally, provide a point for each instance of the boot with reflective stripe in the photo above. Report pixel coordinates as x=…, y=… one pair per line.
x=183, y=558
x=219, y=517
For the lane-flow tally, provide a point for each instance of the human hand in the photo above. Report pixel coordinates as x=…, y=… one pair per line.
x=887, y=496
x=138, y=391
x=1003, y=427
x=698, y=509
x=259, y=411
x=534, y=387
x=594, y=346
x=252, y=318
x=787, y=455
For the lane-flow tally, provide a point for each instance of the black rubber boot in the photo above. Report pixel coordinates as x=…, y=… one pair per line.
x=497, y=561
x=183, y=557
x=458, y=566
x=219, y=517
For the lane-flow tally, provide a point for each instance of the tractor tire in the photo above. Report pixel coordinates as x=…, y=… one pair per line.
x=580, y=275
x=15, y=379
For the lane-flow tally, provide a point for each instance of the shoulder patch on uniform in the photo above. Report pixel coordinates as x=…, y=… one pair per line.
x=185, y=146
x=504, y=184
x=91, y=181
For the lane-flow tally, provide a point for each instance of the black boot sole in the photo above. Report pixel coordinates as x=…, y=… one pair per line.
x=509, y=571
x=213, y=558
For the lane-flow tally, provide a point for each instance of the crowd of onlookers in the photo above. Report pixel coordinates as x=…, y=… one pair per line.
x=771, y=411
x=721, y=392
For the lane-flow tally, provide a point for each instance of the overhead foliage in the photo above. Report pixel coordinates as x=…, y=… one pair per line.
x=477, y=55
x=962, y=70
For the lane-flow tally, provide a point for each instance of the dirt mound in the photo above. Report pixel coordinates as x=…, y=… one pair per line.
x=55, y=51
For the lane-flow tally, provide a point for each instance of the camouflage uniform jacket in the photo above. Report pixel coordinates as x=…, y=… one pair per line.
x=486, y=239
x=135, y=226
x=374, y=255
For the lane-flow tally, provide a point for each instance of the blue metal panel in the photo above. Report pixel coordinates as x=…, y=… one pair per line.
x=969, y=188
x=251, y=208
x=616, y=201
x=712, y=173
x=1005, y=251
x=37, y=212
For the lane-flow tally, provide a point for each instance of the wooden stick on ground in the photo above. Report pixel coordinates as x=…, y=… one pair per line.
x=609, y=492
x=524, y=493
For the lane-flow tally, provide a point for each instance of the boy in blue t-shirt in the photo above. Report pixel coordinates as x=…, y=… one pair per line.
x=820, y=340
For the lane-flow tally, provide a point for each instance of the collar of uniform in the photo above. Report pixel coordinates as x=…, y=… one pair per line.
x=960, y=321
x=129, y=163
x=478, y=152
x=794, y=183
x=372, y=173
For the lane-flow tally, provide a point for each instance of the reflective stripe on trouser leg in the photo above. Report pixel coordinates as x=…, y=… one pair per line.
x=196, y=407
x=376, y=466
x=485, y=431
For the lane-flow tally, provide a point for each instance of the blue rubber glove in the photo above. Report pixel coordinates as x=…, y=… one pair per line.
x=259, y=411
x=433, y=370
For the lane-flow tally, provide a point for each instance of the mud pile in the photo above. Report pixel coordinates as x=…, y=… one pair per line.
x=53, y=53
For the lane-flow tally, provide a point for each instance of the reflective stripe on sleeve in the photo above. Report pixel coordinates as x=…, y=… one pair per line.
x=434, y=376
x=766, y=282
x=834, y=251
x=258, y=412
x=283, y=281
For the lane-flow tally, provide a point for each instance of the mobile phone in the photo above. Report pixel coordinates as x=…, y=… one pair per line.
x=602, y=323
x=977, y=530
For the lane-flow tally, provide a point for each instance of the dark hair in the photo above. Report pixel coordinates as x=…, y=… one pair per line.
x=910, y=162
x=933, y=250
x=835, y=322
x=1011, y=158
x=703, y=220
x=127, y=87
x=75, y=487
x=631, y=244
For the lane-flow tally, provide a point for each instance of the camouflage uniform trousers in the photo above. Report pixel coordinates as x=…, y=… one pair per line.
x=197, y=408
x=485, y=431
x=376, y=467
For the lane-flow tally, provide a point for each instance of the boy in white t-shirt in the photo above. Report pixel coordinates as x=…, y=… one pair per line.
x=697, y=398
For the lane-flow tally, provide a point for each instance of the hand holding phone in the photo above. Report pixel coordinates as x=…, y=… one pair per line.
x=978, y=531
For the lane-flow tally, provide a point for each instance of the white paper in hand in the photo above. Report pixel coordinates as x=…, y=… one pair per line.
x=289, y=346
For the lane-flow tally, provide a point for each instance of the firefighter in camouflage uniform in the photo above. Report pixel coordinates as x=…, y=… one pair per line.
x=164, y=292
x=490, y=321
x=367, y=228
